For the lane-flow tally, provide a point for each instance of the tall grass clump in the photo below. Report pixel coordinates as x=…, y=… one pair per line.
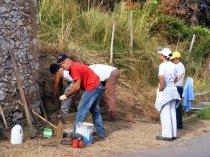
x=204, y=114
x=64, y=20
x=55, y=19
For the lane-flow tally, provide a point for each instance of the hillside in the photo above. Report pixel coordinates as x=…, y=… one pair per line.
x=130, y=104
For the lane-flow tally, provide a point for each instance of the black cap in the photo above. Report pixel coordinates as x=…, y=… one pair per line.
x=62, y=58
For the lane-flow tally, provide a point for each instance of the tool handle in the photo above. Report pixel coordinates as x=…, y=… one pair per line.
x=30, y=110
x=20, y=87
x=40, y=117
x=2, y=114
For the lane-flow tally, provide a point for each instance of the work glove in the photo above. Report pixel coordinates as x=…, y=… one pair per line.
x=62, y=97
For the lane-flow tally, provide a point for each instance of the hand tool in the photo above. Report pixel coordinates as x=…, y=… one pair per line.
x=7, y=132
x=55, y=127
x=20, y=87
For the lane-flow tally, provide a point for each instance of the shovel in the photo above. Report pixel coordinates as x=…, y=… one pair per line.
x=60, y=129
x=7, y=132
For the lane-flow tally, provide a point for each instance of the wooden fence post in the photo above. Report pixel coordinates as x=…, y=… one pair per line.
x=112, y=43
x=190, y=49
x=131, y=30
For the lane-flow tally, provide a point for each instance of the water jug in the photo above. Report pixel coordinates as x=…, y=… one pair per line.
x=17, y=134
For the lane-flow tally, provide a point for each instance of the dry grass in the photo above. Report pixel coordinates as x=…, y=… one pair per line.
x=122, y=136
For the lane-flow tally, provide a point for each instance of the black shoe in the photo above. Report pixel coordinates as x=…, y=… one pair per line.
x=100, y=137
x=106, y=118
x=163, y=138
x=94, y=133
x=173, y=138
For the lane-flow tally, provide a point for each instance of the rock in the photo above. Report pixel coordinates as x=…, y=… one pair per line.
x=2, y=95
x=6, y=1
x=16, y=116
x=2, y=10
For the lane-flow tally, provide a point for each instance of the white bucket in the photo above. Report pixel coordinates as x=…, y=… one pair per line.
x=86, y=130
x=17, y=134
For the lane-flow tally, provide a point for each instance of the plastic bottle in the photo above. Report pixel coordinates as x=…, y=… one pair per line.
x=17, y=134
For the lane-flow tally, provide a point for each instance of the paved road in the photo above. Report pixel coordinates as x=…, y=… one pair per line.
x=196, y=147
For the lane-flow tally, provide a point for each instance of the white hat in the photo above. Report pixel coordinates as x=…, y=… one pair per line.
x=166, y=52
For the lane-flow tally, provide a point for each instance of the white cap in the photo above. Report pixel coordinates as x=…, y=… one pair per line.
x=166, y=52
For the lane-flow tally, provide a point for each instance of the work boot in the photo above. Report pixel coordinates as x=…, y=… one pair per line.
x=98, y=136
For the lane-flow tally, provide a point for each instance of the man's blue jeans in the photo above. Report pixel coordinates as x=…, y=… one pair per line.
x=90, y=102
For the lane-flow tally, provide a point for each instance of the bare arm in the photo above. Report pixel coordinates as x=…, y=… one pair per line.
x=75, y=89
x=161, y=81
x=178, y=78
x=57, y=77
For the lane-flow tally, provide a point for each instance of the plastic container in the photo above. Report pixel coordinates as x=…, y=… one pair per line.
x=17, y=134
x=48, y=132
x=86, y=130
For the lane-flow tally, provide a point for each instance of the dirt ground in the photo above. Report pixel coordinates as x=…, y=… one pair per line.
x=121, y=137
x=137, y=127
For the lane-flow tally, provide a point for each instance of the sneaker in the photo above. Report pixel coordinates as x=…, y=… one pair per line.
x=163, y=138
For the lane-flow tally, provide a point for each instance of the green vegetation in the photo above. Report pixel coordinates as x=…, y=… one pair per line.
x=204, y=113
x=64, y=23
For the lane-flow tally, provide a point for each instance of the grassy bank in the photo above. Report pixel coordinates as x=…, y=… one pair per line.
x=65, y=26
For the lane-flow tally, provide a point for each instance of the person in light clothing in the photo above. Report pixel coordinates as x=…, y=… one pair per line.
x=109, y=76
x=167, y=96
x=176, y=59
x=59, y=73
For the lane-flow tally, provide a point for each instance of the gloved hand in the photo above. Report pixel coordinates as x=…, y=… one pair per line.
x=63, y=97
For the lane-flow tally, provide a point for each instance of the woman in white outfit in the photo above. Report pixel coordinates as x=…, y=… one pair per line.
x=167, y=96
